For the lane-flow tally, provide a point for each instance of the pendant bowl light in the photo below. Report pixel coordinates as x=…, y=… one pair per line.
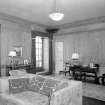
x=56, y=15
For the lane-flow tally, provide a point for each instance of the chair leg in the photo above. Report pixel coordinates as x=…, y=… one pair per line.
x=69, y=73
x=85, y=77
x=103, y=80
x=97, y=80
x=65, y=73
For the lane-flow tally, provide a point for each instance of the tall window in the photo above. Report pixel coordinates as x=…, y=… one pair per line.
x=38, y=45
x=40, y=51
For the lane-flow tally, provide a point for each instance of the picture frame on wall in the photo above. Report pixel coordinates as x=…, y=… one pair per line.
x=18, y=50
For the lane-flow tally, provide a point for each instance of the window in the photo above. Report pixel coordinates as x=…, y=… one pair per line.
x=38, y=46
x=40, y=52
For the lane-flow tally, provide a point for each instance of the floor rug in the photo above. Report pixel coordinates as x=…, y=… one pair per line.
x=92, y=101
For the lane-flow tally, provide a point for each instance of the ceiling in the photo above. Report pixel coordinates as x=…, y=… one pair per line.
x=37, y=11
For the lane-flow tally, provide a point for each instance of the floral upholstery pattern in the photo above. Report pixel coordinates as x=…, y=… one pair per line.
x=49, y=86
x=18, y=85
x=36, y=83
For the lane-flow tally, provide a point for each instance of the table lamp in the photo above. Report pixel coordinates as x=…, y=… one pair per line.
x=75, y=56
x=12, y=54
x=75, y=59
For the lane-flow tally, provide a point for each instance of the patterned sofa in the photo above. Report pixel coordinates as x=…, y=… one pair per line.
x=39, y=90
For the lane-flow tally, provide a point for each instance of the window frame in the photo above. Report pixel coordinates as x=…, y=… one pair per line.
x=38, y=55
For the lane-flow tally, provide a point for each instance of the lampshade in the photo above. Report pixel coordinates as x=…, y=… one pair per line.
x=56, y=16
x=75, y=56
x=12, y=53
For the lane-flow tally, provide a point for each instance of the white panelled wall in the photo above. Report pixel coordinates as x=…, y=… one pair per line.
x=90, y=45
x=58, y=57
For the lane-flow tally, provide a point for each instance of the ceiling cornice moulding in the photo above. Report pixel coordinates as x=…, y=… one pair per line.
x=81, y=31
x=18, y=20
x=94, y=20
x=74, y=24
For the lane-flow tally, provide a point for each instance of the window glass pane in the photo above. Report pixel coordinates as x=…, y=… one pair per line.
x=40, y=64
x=36, y=58
x=37, y=52
x=40, y=52
x=40, y=40
x=39, y=45
x=40, y=58
x=37, y=39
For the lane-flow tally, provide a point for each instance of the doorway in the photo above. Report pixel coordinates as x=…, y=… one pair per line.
x=58, y=57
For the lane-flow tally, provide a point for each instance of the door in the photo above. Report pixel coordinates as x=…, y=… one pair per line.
x=58, y=57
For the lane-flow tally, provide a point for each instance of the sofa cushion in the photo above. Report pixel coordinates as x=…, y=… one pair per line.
x=49, y=86
x=31, y=98
x=18, y=85
x=36, y=83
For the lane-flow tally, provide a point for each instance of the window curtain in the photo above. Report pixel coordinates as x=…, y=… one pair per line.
x=51, y=62
x=33, y=57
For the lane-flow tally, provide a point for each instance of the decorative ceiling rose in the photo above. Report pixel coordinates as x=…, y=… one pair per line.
x=56, y=16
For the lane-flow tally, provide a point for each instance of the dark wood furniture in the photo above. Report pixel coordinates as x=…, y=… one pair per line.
x=28, y=67
x=66, y=69
x=80, y=71
x=101, y=79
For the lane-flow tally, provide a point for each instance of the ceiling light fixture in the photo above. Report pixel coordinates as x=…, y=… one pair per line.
x=56, y=15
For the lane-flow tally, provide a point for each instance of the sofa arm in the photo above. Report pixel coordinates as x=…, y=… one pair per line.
x=67, y=96
x=4, y=85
